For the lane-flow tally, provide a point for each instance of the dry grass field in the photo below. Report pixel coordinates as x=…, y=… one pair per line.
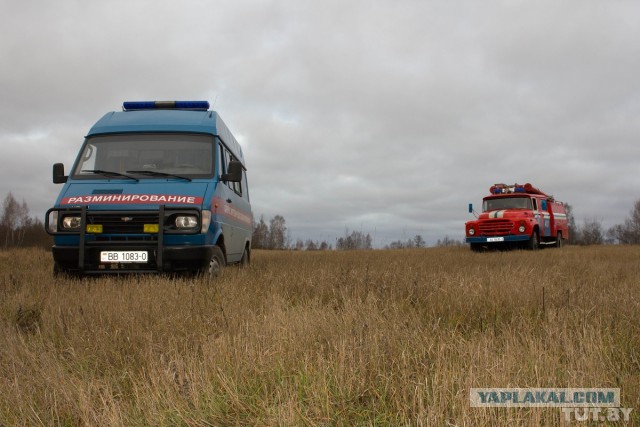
x=319, y=338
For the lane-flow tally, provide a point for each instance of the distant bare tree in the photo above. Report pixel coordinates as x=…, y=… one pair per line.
x=591, y=233
x=571, y=224
x=355, y=241
x=629, y=232
x=15, y=220
x=448, y=241
x=10, y=212
x=260, y=236
x=277, y=233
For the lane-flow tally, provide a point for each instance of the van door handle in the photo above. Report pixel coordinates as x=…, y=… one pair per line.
x=229, y=201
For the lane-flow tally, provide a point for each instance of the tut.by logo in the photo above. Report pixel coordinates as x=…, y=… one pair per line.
x=576, y=404
x=596, y=414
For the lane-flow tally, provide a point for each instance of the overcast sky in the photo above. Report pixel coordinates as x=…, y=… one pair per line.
x=386, y=117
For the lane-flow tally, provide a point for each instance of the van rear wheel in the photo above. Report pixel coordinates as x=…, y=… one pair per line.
x=246, y=258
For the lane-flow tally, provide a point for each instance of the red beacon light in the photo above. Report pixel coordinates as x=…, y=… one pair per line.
x=505, y=189
x=515, y=188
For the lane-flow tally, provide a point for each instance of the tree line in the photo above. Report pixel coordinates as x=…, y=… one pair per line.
x=592, y=232
x=274, y=235
x=18, y=229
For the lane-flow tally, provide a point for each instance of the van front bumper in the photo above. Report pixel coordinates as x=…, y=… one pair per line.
x=171, y=259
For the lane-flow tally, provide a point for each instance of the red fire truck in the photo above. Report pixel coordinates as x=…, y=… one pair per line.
x=517, y=216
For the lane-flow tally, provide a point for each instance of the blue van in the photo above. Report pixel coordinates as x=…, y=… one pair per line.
x=157, y=187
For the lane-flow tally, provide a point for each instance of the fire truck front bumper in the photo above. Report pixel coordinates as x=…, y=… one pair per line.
x=498, y=239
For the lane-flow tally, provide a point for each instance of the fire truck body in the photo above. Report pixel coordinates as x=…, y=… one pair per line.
x=517, y=215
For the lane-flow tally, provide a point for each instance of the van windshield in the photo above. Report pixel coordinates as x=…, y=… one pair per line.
x=506, y=203
x=146, y=156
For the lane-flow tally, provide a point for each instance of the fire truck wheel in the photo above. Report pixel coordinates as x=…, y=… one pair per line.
x=477, y=247
x=216, y=264
x=534, y=243
x=559, y=241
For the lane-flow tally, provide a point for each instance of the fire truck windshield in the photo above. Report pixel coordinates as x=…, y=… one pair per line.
x=147, y=156
x=506, y=203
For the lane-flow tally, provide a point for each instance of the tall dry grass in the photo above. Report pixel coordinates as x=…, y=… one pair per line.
x=319, y=338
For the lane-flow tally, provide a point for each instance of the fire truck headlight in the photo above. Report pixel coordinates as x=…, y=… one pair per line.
x=186, y=221
x=472, y=231
x=71, y=222
x=522, y=228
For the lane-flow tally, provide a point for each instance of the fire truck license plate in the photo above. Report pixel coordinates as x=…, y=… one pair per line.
x=124, y=256
x=495, y=239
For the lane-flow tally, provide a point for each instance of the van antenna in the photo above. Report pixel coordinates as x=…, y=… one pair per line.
x=214, y=103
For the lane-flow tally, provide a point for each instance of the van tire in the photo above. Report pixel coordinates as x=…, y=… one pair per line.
x=216, y=263
x=246, y=259
x=58, y=270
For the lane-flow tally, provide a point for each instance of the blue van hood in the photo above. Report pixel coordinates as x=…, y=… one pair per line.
x=131, y=195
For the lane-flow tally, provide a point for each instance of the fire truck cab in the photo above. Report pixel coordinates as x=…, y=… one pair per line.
x=517, y=216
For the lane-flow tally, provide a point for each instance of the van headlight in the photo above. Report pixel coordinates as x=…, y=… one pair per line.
x=186, y=221
x=71, y=222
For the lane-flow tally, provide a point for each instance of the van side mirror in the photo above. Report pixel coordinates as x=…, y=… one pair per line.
x=470, y=207
x=234, y=172
x=58, y=174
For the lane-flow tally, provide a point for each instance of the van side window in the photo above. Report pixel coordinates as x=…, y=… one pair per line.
x=228, y=157
x=244, y=185
x=222, y=163
x=236, y=186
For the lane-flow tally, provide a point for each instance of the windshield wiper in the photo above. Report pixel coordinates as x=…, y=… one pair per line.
x=109, y=173
x=164, y=174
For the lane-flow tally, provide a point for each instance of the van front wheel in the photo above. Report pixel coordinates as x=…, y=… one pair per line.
x=215, y=265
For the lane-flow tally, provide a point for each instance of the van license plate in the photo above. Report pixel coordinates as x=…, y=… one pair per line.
x=495, y=239
x=124, y=256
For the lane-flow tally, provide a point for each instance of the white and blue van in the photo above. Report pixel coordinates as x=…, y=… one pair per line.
x=157, y=187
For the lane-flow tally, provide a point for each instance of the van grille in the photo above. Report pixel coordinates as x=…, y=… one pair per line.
x=122, y=223
x=495, y=226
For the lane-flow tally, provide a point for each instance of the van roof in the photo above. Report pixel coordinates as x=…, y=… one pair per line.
x=167, y=120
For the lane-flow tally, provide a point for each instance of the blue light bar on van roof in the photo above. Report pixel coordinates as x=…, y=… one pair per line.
x=168, y=105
